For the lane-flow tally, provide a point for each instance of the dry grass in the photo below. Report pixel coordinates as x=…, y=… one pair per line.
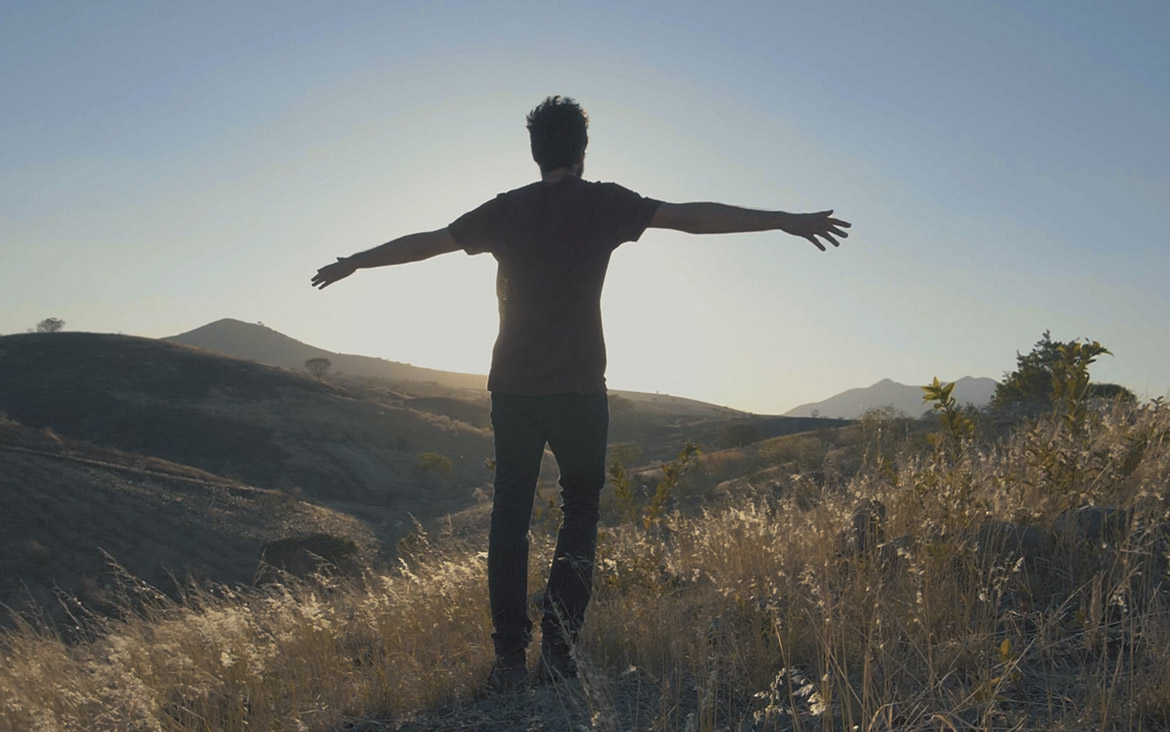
x=765, y=616
x=291, y=658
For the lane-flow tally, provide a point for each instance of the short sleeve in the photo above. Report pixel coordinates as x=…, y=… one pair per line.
x=626, y=213
x=477, y=231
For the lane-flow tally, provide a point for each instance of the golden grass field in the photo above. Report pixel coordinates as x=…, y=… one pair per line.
x=975, y=598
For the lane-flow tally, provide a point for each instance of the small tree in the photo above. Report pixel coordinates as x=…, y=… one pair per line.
x=738, y=434
x=1070, y=380
x=1028, y=389
x=50, y=325
x=648, y=511
x=957, y=426
x=1111, y=393
x=318, y=366
x=431, y=464
x=1055, y=374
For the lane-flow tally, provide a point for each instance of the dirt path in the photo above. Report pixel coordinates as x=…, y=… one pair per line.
x=210, y=480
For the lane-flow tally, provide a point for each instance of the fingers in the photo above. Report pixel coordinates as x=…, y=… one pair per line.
x=331, y=273
x=821, y=223
x=322, y=279
x=833, y=228
x=816, y=243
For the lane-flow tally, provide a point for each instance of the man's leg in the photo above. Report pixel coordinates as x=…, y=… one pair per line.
x=519, y=448
x=577, y=434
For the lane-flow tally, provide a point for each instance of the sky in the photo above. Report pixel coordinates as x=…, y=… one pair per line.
x=1004, y=165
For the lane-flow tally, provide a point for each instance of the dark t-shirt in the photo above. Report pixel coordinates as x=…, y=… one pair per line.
x=552, y=242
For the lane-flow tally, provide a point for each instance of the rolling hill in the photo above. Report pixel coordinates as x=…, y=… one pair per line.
x=259, y=343
x=175, y=459
x=660, y=423
x=262, y=344
x=261, y=425
x=67, y=508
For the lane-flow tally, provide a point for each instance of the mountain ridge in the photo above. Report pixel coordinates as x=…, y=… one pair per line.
x=262, y=344
x=852, y=403
x=256, y=342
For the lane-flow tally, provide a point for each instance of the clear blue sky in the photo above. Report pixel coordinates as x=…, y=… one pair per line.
x=1004, y=164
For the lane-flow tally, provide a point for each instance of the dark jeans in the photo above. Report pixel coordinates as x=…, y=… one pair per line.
x=575, y=426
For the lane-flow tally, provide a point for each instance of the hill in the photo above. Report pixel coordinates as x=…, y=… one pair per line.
x=261, y=425
x=262, y=344
x=66, y=507
x=660, y=423
x=852, y=403
x=259, y=343
x=176, y=459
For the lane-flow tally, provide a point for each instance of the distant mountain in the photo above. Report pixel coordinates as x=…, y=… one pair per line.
x=262, y=344
x=853, y=403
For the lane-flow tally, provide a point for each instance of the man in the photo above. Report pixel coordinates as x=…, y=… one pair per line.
x=552, y=240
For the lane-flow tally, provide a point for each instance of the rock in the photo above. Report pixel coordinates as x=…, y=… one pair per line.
x=866, y=530
x=1007, y=542
x=1092, y=525
x=890, y=553
x=305, y=555
x=869, y=525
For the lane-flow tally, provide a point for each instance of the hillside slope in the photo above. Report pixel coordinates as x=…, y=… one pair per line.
x=660, y=423
x=65, y=506
x=261, y=344
x=261, y=425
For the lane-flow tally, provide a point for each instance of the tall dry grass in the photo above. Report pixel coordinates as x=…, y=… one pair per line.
x=972, y=600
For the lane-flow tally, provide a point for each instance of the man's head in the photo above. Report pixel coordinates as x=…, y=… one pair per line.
x=558, y=129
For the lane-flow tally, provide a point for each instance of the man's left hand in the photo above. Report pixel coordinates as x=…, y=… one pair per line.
x=331, y=273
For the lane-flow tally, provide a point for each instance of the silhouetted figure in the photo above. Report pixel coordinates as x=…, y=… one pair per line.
x=552, y=240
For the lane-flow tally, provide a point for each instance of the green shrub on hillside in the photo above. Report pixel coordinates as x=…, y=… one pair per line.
x=1042, y=377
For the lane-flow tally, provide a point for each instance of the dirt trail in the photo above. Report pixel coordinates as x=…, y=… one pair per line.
x=210, y=480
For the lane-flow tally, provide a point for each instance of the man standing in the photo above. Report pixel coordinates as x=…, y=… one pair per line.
x=552, y=240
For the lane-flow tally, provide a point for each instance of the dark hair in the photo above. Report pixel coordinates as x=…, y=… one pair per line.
x=557, y=128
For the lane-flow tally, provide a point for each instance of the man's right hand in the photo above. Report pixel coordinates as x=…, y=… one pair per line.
x=331, y=273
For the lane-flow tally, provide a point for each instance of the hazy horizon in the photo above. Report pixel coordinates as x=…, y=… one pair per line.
x=280, y=358
x=165, y=167
x=612, y=387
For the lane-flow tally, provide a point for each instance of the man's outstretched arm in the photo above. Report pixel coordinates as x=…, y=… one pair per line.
x=719, y=218
x=409, y=248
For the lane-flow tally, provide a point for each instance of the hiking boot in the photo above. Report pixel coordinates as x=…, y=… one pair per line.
x=556, y=664
x=508, y=675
